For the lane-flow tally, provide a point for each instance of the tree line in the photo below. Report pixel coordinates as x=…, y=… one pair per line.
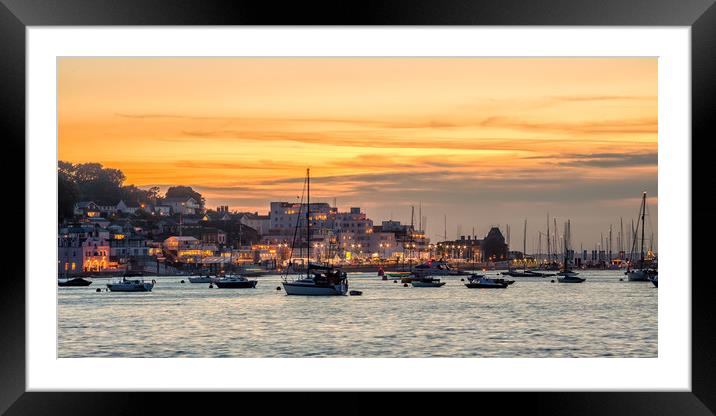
x=105, y=186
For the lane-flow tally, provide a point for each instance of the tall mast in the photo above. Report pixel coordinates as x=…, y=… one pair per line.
x=621, y=236
x=643, y=212
x=445, y=228
x=549, y=254
x=524, y=247
x=308, y=217
x=420, y=214
x=556, y=238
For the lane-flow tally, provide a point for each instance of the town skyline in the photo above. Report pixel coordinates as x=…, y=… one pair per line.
x=481, y=141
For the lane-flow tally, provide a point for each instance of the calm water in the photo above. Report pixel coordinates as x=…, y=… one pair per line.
x=532, y=318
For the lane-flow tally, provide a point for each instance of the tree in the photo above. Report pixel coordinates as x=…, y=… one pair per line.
x=67, y=191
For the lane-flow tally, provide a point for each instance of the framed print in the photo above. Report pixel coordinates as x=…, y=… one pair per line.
x=222, y=197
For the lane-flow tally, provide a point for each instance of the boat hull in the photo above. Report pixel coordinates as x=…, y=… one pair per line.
x=655, y=282
x=486, y=285
x=249, y=284
x=637, y=276
x=201, y=279
x=78, y=281
x=570, y=279
x=133, y=287
x=416, y=283
x=300, y=289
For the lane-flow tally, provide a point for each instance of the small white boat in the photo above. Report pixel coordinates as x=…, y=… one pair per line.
x=482, y=282
x=235, y=282
x=202, y=279
x=131, y=285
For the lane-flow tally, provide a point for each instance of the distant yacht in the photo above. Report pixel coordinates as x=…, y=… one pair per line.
x=642, y=272
x=235, y=282
x=427, y=281
x=75, y=281
x=567, y=275
x=482, y=282
x=202, y=279
x=437, y=268
x=320, y=280
x=131, y=285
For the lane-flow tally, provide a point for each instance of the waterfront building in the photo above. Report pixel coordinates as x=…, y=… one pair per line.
x=468, y=249
x=124, y=247
x=494, y=247
x=82, y=248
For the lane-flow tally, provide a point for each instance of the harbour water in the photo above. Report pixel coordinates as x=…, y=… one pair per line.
x=602, y=317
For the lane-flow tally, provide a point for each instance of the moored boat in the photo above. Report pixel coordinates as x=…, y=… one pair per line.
x=320, y=280
x=202, y=279
x=427, y=282
x=482, y=282
x=567, y=275
x=644, y=270
x=570, y=278
x=398, y=274
x=131, y=285
x=235, y=282
x=75, y=281
x=437, y=268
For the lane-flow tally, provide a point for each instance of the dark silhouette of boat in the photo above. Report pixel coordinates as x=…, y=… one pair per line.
x=76, y=281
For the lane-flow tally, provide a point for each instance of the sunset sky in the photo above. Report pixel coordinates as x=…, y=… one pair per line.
x=485, y=141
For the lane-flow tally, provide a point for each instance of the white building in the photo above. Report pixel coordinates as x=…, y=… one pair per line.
x=185, y=205
x=260, y=223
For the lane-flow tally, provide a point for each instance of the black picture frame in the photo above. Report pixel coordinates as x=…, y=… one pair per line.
x=16, y=15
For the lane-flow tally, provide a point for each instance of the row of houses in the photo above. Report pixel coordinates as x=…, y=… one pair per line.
x=100, y=241
x=167, y=206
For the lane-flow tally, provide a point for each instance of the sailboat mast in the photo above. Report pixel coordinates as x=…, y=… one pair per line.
x=524, y=247
x=308, y=218
x=643, y=213
x=549, y=253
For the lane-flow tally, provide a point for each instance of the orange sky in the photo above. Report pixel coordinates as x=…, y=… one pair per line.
x=482, y=140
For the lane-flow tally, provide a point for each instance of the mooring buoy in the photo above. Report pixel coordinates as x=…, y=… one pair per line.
x=211, y=286
x=551, y=281
x=621, y=280
x=395, y=281
x=405, y=285
x=98, y=290
x=182, y=281
x=462, y=280
x=355, y=293
x=278, y=287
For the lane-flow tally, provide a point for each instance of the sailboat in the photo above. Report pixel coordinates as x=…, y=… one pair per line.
x=641, y=273
x=567, y=275
x=320, y=280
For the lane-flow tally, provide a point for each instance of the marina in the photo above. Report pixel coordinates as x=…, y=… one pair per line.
x=615, y=319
